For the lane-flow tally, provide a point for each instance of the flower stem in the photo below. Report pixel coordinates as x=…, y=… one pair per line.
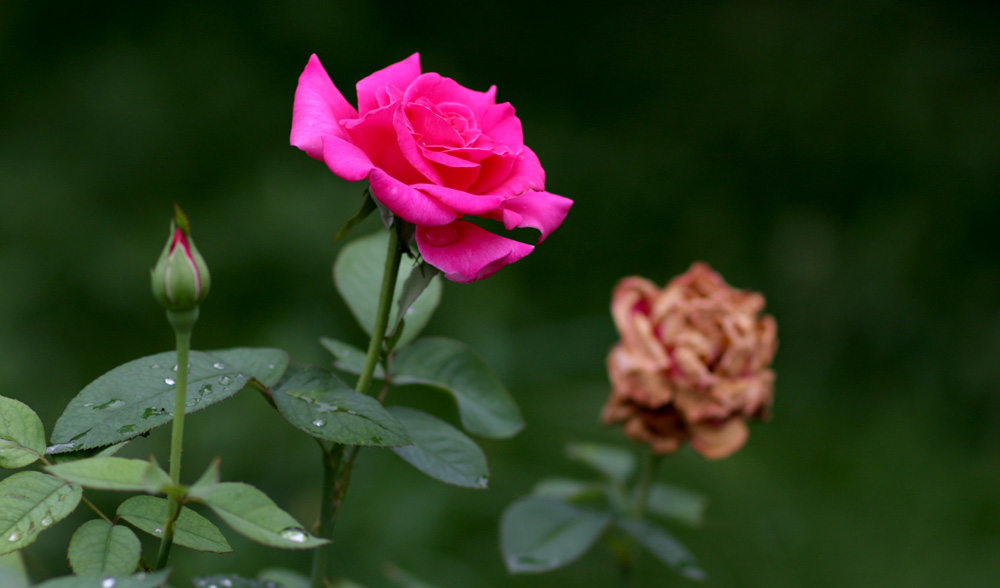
x=627, y=554
x=183, y=323
x=336, y=469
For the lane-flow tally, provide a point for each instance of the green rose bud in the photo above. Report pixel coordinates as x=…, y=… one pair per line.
x=180, y=278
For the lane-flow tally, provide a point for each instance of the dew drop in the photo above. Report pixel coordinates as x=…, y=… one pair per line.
x=169, y=381
x=14, y=536
x=351, y=412
x=270, y=366
x=226, y=582
x=225, y=380
x=46, y=521
x=59, y=447
x=294, y=534
x=158, y=531
x=205, y=390
x=319, y=422
x=174, y=368
x=155, y=366
x=483, y=481
x=108, y=583
x=88, y=404
x=219, y=365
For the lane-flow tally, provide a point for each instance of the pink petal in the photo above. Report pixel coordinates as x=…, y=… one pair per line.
x=408, y=147
x=399, y=74
x=438, y=89
x=346, y=159
x=376, y=135
x=466, y=252
x=538, y=210
x=502, y=125
x=526, y=174
x=493, y=170
x=432, y=129
x=409, y=204
x=460, y=201
x=318, y=107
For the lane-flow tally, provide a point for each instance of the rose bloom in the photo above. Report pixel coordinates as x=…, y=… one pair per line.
x=692, y=364
x=433, y=152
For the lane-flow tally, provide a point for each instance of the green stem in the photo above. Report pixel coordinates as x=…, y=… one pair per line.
x=625, y=551
x=336, y=469
x=183, y=323
x=393, y=255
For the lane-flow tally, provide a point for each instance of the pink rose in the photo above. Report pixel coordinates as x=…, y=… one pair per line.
x=433, y=152
x=693, y=362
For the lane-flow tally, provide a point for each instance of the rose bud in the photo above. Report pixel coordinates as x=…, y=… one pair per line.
x=692, y=364
x=180, y=279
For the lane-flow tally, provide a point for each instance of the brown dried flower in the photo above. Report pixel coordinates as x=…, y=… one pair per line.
x=692, y=364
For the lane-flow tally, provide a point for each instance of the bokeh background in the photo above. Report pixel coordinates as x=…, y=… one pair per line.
x=842, y=157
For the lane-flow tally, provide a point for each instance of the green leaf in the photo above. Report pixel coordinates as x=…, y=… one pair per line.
x=440, y=450
x=31, y=502
x=404, y=579
x=142, y=580
x=192, y=530
x=22, y=437
x=358, y=276
x=114, y=473
x=664, y=546
x=138, y=396
x=284, y=577
x=541, y=534
x=229, y=581
x=98, y=547
x=367, y=207
x=265, y=365
x=349, y=358
x=207, y=482
x=615, y=463
x=421, y=276
x=566, y=489
x=12, y=572
x=252, y=514
x=484, y=405
x=317, y=402
x=92, y=452
x=676, y=503
x=344, y=583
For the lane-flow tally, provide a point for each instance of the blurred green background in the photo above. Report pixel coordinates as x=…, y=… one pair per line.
x=841, y=157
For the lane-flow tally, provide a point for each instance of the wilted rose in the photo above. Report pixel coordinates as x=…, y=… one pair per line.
x=692, y=364
x=433, y=152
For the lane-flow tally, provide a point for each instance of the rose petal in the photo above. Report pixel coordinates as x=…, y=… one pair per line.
x=376, y=135
x=466, y=252
x=409, y=204
x=493, y=169
x=437, y=89
x=432, y=129
x=318, y=107
x=399, y=74
x=539, y=210
x=346, y=159
x=460, y=201
x=502, y=125
x=526, y=174
x=410, y=150
x=718, y=440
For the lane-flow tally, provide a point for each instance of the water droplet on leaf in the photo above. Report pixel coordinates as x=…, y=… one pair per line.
x=319, y=422
x=169, y=381
x=46, y=521
x=14, y=536
x=158, y=531
x=219, y=365
x=225, y=380
x=108, y=583
x=294, y=534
